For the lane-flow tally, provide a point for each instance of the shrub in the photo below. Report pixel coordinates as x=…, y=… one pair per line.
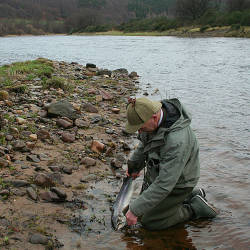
x=203, y=28
x=56, y=83
x=235, y=26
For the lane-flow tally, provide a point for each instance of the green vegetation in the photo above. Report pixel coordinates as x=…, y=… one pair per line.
x=154, y=24
x=41, y=68
x=4, y=241
x=56, y=83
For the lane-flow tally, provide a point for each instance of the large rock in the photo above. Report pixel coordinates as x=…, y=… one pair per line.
x=38, y=239
x=62, y=108
x=104, y=72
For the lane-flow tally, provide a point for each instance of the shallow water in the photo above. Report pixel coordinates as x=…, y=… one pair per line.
x=211, y=76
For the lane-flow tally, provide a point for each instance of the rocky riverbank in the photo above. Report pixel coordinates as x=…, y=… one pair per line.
x=61, y=131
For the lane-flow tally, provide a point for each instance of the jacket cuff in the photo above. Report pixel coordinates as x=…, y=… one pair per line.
x=134, y=210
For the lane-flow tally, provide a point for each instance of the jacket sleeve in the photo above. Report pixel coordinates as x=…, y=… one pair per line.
x=137, y=161
x=171, y=166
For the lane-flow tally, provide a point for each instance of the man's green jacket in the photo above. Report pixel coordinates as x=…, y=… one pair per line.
x=171, y=155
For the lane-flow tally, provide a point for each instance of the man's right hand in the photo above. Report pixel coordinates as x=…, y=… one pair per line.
x=133, y=174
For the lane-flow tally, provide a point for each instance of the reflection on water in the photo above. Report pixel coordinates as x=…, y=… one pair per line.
x=174, y=238
x=212, y=78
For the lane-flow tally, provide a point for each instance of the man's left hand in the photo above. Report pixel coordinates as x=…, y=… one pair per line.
x=131, y=218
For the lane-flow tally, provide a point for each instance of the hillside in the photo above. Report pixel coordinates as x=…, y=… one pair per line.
x=39, y=17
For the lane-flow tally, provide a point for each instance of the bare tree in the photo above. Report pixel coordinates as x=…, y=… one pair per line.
x=191, y=9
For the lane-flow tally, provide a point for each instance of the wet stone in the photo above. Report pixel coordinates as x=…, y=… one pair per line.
x=19, y=183
x=133, y=75
x=115, y=110
x=90, y=65
x=43, y=157
x=31, y=193
x=38, y=239
x=96, y=119
x=24, y=167
x=109, y=131
x=60, y=193
x=32, y=158
x=62, y=108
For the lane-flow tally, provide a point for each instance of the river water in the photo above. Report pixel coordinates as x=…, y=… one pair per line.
x=211, y=76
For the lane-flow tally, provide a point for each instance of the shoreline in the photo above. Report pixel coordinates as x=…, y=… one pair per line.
x=191, y=32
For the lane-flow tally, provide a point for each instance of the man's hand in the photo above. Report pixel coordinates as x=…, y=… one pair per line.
x=134, y=174
x=131, y=218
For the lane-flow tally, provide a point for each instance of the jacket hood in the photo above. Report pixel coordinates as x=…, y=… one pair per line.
x=184, y=119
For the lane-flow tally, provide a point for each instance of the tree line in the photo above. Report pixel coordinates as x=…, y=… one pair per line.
x=69, y=16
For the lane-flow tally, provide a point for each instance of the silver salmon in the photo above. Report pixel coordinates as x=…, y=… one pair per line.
x=121, y=205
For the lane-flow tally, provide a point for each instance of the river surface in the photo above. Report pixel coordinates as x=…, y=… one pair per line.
x=211, y=76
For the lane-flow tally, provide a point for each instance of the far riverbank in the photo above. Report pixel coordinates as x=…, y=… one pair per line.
x=191, y=31
x=187, y=31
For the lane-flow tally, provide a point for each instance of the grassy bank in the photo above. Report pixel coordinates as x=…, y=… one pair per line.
x=189, y=31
